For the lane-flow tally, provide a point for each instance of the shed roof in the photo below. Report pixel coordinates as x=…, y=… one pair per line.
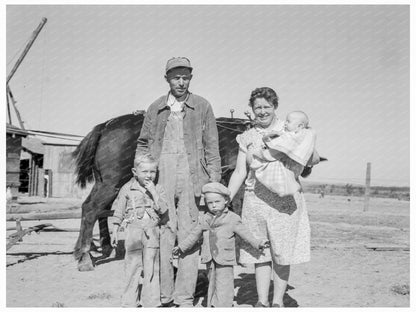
x=15, y=130
x=33, y=145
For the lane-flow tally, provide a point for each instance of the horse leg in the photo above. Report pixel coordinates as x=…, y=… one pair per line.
x=83, y=244
x=105, y=239
x=99, y=199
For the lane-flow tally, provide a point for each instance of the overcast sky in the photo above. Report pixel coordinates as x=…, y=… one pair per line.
x=347, y=67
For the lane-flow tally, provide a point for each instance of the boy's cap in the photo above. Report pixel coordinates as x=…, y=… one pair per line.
x=215, y=187
x=178, y=62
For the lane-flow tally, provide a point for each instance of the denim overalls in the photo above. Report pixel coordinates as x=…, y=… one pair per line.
x=175, y=177
x=142, y=251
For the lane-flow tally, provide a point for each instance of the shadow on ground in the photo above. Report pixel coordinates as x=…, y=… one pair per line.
x=247, y=293
x=33, y=255
x=246, y=283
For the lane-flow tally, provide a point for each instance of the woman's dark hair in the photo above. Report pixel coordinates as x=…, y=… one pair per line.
x=266, y=93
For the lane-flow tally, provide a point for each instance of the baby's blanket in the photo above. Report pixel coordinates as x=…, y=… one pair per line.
x=297, y=146
x=276, y=177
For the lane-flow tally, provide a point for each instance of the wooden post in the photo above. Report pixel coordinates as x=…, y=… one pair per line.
x=8, y=109
x=50, y=181
x=19, y=118
x=19, y=228
x=27, y=48
x=367, y=187
x=30, y=177
x=35, y=178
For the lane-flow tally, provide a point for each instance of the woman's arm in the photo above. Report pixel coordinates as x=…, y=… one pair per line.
x=239, y=174
x=241, y=230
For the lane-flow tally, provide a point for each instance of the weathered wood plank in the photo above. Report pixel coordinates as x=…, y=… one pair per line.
x=43, y=216
x=380, y=247
x=58, y=229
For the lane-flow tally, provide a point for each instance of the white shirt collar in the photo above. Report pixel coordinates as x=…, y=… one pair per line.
x=174, y=104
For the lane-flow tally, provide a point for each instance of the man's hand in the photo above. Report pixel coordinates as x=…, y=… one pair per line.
x=264, y=244
x=114, y=238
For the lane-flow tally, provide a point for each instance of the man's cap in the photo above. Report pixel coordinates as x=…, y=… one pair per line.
x=215, y=187
x=175, y=62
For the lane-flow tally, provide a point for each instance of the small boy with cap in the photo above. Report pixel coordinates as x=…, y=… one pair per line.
x=219, y=227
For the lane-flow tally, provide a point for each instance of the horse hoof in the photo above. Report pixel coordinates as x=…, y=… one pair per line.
x=85, y=263
x=85, y=267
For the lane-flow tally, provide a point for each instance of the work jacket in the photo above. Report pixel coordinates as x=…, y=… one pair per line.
x=200, y=137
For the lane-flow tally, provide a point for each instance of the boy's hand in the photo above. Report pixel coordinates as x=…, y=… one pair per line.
x=150, y=186
x=264, y=244
x=176, y=251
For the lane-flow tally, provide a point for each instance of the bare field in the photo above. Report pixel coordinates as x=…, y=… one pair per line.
x=344, y=271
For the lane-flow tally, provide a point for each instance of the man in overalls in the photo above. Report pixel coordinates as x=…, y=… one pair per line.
x=180, y=131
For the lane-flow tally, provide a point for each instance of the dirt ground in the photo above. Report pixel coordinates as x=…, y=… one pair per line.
x=343, y=271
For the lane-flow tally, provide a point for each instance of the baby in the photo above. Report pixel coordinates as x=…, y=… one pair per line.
x=219, y=227
x=279, y=163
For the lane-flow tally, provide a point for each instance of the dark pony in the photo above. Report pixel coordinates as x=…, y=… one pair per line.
x=105, y=157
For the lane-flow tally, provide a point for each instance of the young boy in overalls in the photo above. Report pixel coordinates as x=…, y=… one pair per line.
x=219, y=227
x=139, y=205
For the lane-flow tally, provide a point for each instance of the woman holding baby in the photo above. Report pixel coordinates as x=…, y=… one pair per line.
x=283, y=220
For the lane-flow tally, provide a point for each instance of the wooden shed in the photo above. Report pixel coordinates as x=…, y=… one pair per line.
x=59, y=171
x=32, y=180
x=14, y=137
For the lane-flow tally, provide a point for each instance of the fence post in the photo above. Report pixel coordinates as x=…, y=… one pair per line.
x=19, y=228
x=367, y=187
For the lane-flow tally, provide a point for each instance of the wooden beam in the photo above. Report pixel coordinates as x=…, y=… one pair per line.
x=57, y=229
x=9, y=92
x=26, y=49
x=8, y=109
x=379, y=247
x=43, y=216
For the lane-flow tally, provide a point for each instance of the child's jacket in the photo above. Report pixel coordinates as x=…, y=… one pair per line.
x=219, y=237
x=134, y=203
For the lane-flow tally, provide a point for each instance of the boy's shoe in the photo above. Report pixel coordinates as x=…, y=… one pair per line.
x=276, y=305
x=169, y=304
x=260, y=305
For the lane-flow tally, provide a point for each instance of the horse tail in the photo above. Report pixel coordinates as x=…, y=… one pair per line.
x=84, y=156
